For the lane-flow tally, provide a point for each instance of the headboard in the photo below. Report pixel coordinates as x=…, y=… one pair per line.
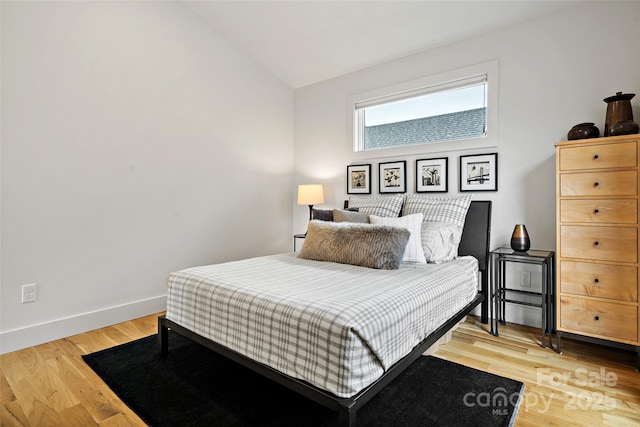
x=476, y=233
x=476, y=238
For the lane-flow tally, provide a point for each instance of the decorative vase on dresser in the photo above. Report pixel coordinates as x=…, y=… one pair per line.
x=597, y=240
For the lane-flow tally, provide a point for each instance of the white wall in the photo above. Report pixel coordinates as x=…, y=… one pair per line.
x=554, y=73
x=134, y=142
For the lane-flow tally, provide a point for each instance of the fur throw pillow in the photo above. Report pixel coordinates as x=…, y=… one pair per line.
x=366, y=245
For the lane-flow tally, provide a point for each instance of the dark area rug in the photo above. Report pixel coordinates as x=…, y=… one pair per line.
x=194, y=386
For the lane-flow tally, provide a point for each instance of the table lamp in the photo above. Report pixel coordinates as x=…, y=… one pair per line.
x=310, y=194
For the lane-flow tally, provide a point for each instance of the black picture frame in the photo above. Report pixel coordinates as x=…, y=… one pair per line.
x=392, y=177
x=432, y=175
x=479, y=172
x=359, y=179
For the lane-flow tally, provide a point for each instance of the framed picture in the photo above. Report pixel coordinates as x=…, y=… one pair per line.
x=479, y=172
x=393, y=177
x=432, y=175
x=359, y=179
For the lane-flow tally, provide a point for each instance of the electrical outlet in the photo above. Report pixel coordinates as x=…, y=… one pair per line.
x=525, y=279
x=29, y=293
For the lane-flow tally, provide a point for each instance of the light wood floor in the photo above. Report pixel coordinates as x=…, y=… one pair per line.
x=587, y=385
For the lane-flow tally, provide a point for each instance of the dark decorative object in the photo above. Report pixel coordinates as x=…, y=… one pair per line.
x=618, y=110
x=583, y=131
x=625, y=127
x=520, y=239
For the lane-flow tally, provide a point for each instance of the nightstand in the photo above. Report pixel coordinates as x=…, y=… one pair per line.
x=499, y=290
x=296, y=237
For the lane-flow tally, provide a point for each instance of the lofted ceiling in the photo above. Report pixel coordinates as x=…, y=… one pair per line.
x=304, y=42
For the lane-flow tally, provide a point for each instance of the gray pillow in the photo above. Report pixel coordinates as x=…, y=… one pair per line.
x=326, y=214
x=366, y=245
x=322, y=214
x=349, y=216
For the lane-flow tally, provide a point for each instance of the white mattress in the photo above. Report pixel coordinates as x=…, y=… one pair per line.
x=336, y=326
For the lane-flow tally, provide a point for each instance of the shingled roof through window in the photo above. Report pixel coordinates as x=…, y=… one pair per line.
x=453, y=126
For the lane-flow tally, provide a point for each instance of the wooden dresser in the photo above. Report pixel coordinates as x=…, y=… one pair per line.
x=597, y=239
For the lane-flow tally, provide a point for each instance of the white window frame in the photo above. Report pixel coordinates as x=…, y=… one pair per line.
x=436, y=82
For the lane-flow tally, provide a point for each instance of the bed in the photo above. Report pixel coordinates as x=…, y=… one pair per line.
x=340, y=374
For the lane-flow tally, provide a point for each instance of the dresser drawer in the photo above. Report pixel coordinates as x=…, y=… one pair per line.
x=608, y=319
x=624, y=211
x=598, y=156
x=599, y=243
x=599, y=280
x=622, y=183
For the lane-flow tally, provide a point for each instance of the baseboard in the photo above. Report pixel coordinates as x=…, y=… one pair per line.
x=29, y=336
x=523, y=315
x=519, y=314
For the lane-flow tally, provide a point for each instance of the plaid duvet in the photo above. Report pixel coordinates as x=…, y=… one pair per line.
x=336, y=326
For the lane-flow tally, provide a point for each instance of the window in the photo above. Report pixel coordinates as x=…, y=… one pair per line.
x=453, y=110
x=429, y=115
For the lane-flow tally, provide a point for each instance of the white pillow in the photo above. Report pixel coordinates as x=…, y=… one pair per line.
x=413, y=251
x=439, y=241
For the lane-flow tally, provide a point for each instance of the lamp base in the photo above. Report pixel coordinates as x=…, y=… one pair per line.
x=310, y=216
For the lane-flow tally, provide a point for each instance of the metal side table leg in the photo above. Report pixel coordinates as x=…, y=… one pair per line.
x=544, y=313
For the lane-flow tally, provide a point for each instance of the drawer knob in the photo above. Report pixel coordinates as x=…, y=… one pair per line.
x=597, y=317
x=596, y=280
x=595, y=157
x=596, y=243
x=596, y=211
x=595, y=184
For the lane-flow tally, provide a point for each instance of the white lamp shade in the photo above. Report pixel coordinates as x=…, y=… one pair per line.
x=310, y=194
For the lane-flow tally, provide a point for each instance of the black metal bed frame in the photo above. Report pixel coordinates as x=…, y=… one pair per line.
x=475, y=241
